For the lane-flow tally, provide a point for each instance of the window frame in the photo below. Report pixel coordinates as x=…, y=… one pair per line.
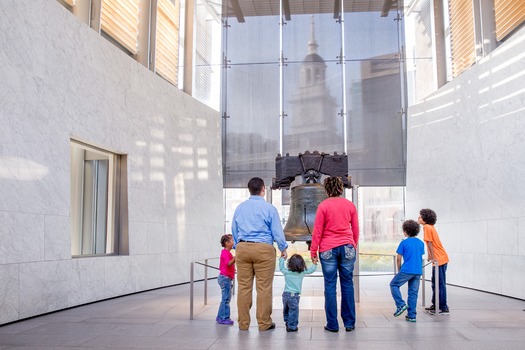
x=114, y=205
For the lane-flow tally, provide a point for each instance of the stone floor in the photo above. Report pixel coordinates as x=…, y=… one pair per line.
x=160, y=319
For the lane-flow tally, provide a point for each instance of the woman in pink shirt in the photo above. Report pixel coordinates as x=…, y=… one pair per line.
x=336, y=232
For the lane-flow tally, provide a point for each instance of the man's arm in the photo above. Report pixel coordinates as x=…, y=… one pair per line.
x=277, y=232
x=235, y=232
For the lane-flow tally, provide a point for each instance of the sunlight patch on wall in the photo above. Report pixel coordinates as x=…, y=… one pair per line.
x=14, y=168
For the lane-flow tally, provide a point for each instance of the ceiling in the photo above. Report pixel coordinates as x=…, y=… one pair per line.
x=248, y=8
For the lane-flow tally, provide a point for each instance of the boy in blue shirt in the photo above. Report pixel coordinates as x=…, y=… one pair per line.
x=411, y=250
x=293, y=282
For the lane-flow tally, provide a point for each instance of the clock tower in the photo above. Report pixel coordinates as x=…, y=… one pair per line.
x=313, y=121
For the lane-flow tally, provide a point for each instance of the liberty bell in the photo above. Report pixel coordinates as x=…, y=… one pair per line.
x=304, y=200
x=306, y=197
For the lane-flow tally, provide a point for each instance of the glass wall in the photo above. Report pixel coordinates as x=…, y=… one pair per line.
x=375, y=98
x=381, y=216
x=250, y=99
x=313, y=76
x=318, y=76
x=312, y=91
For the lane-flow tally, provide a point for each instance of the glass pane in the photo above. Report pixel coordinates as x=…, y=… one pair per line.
x=251, y=128
x=94, y=227
x=374, y=90
x=89, y=208
x=101, y=205
x=313, y=93
x=232, y=198
x=420, y=54
x=93, y=208
x=312, y=84
x=207, y=53
x=368, y=35
x=381, y=214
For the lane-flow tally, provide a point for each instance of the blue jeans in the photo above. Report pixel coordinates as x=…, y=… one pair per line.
x=413, y=288
x=291, y=309
x=340, y=259
x=442, y=286
x=226, y=288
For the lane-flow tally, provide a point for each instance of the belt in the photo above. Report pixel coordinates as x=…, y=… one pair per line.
x=243, y=241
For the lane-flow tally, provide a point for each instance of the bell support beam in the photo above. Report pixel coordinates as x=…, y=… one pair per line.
x=311, y=165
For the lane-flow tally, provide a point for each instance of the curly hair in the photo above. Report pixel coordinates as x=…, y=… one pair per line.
x=225, y=238
x=411, y=228
x=428, y=215
x=296, y=263
x=333, y=186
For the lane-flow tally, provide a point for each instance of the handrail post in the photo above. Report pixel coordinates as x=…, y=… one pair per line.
x=423, y=284
x=436, y=286
x=357, y=288
x=395, y=265
x=192, y=269
x=357, y=294
x=206, y=282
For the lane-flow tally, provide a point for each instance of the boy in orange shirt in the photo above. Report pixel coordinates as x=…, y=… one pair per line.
x=427, y=218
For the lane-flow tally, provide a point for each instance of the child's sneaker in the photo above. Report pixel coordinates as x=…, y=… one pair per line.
x=409, y=319
x=400, y=310
x=227, y=322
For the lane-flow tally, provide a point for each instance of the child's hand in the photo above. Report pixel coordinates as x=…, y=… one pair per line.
x=315, y=261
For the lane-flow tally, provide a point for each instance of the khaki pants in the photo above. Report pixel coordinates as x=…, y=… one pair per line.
x=255, y=260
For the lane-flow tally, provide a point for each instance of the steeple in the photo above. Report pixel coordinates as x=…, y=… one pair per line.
x=312, y=44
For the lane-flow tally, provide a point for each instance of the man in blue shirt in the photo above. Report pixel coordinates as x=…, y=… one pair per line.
x=255, y=226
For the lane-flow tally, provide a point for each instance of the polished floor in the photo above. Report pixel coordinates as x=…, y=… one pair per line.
x=160, y=319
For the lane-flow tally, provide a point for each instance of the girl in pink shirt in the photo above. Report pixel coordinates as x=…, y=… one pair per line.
x=225, y=279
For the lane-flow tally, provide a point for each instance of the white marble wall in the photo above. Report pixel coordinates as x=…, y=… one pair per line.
x=466, y=160
x=60, y=79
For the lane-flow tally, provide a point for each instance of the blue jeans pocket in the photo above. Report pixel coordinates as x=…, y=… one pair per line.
x=349, y=252
x=221, y=281
x=327, y=255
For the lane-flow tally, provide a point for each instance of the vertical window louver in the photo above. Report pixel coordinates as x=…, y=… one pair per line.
x=119, y=19
x=462, y=37
x=167, y=44
x=509, y=15
x=71, y=2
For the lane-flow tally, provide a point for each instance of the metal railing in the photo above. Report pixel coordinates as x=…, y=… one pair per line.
x=423, y=289
x=192, y=281
x=436, y=285
x=379, y=254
